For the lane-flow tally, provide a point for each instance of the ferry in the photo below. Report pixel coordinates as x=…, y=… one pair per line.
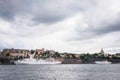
x=103, y=62
x=32, y=60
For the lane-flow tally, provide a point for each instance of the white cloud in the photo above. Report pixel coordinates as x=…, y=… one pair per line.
x=74, y=26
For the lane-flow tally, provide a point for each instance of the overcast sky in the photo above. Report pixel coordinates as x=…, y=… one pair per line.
x=63, y=25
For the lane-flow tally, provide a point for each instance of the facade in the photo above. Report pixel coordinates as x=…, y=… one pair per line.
x=62, y=55
x=102, y=51
x=43, y=53
x=40, y=51
x=77, y=55
x=16, y=52
x=117, y=55
x=51, y=52
x=59, y=59
x=71, y=61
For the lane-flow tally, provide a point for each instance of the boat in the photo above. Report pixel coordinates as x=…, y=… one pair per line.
x=102, y=62
x=32, y=60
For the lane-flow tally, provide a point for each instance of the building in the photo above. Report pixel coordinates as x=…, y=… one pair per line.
x=77, y=55
x=40, y=51
x=51, y=52
x=71, y=61
x=102, y=51
x=117, y=55
x=16, y=52
x=63, y=55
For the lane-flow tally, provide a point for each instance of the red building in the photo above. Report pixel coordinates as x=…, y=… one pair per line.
x=40, y=51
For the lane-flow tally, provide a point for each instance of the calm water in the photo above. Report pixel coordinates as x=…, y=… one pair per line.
x=60, y=72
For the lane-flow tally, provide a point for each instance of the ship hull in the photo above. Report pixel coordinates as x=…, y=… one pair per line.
x=37, y=62
x=102, y=62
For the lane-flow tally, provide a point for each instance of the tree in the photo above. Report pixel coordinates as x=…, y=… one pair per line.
x=82, y=56
x=46, y=52
x=95, y=55
x=32, y=51
x=57, y=54
x=102, y=56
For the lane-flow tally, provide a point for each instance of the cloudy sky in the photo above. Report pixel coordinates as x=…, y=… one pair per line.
x=63, y=25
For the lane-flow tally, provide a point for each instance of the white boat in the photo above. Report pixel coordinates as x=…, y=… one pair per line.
x=103, y=62
x=32, y=60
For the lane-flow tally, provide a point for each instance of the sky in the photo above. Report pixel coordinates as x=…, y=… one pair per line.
x=76, y=26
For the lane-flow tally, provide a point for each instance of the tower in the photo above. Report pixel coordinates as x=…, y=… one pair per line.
x=102, y=52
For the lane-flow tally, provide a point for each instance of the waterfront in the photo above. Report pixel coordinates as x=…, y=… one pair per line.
x=60, y=72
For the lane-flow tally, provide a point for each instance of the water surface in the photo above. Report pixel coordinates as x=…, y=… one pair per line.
x=60, y=72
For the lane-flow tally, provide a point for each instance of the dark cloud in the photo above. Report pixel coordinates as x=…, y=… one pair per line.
x=107, y=29
x=41, y=11
x=92, y=32
x=47, y=12
x=6, y=10
x=47, y=18
x=78, y=21
x=11, y=9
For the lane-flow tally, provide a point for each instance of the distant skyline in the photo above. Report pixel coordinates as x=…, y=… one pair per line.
x=77, y=26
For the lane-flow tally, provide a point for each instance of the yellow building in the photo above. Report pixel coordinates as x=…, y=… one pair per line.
x=16, y=52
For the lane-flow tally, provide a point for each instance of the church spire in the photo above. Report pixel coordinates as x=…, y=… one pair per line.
x=102, y=52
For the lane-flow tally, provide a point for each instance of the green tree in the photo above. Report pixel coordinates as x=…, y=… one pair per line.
x=102, y=56
x=46, y=52
x=82, y=56
x=32, y=51
x=57, y=54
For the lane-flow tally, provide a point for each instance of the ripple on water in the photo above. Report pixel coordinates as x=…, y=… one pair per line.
x=60, y=72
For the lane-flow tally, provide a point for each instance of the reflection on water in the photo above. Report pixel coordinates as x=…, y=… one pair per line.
x=60, y=72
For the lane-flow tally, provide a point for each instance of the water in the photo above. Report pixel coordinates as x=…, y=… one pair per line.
x=60, y=72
